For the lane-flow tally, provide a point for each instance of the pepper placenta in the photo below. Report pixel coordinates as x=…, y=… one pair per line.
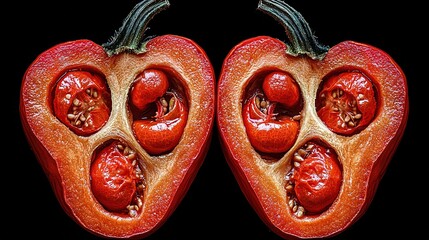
x=309, y=130
x=121, y=128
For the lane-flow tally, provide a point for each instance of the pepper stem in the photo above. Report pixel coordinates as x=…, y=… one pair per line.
x=130, y=34
x=302, y=40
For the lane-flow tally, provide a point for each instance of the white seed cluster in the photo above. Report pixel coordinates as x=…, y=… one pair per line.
x=167, y=106
x=79, y=112
x=349, y=113
x=298, y=157
x=263, y=104
x=137, y=203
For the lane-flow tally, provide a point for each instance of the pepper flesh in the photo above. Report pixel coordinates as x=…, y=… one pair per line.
x=261, y=180
x=168, y=176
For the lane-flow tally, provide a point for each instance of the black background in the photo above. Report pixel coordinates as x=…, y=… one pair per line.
x=214, y=205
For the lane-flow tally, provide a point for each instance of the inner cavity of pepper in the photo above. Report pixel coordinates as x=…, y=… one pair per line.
x=82, y=101
x=347, y=102
x=314, y=180
x=159, y=110
x=271, y=113
x=117, y=179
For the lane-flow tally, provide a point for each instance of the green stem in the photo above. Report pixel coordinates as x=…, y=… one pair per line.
x=302, y=40
x=130, y=34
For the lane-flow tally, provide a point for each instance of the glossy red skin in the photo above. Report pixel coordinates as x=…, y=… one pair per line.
x=262, y=182
x=65, y=157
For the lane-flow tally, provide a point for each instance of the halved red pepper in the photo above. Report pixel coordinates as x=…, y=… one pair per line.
x=309, y=130
x=120, y=129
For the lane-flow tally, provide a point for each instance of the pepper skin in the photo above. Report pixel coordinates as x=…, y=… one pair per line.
x=83, y=106
x=352, y=110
